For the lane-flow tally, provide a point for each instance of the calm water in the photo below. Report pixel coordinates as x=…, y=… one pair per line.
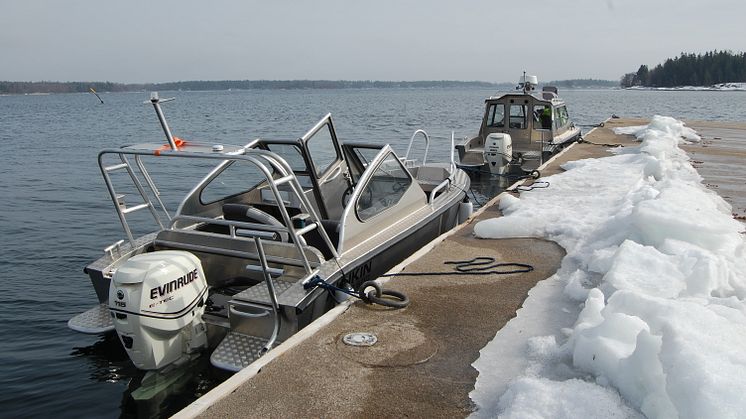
x=56, y=216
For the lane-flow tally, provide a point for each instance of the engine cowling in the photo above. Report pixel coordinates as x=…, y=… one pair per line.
x=157, y=300
x=498, y=152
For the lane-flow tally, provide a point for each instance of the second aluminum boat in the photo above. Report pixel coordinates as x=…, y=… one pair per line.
x=519, y=131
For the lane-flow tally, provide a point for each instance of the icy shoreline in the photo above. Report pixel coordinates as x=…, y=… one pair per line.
x=720, y=87
x=648, y=306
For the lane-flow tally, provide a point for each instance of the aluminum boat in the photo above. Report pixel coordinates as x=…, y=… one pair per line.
x=239, y=265
x=519, y=131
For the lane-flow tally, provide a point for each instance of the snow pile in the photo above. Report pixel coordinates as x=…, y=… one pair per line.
x=657, y=267
x=732, y=86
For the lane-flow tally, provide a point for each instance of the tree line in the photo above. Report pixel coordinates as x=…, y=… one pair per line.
x=13, y=87
x=583, y=84
x=706, y=69
x=25, y=87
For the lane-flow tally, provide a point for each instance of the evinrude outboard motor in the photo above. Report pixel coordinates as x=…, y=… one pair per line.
x=498, y=152
x=157, y=300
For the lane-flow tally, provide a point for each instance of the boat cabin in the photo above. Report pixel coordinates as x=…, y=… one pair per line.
x=535, y=122
x=519, y=131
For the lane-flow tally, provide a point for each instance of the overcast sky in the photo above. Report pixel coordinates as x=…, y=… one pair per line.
x=490, y=40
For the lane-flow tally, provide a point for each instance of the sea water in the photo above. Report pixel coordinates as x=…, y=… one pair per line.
x=56, y=215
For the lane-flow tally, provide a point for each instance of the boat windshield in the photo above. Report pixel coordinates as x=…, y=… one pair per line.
x=384, y=190
x=518, y=116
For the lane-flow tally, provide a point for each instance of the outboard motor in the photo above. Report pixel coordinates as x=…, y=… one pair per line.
x=498, y=152
x=157, y=300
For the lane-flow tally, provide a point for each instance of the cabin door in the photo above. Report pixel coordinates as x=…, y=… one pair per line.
x=330, y=171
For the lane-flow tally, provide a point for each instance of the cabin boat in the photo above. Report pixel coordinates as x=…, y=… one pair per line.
x=519, y=131
x=240, y=260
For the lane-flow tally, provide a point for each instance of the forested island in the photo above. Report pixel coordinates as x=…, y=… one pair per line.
x=710, y=68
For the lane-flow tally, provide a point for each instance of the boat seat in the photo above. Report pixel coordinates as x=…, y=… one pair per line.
x=224, y=258
x=250, y=213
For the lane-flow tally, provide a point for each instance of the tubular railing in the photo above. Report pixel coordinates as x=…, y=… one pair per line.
x=266, y=162
x=411, y=141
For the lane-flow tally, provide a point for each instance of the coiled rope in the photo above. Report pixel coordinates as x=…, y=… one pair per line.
x=481, y=265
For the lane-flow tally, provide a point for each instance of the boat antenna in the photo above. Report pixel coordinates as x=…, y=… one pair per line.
x=156, y=102
x=94, y=92
x=525, y=82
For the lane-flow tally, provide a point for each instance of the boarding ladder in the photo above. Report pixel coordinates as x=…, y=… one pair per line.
x=261, y=308
x=238, y=350
x=118, y=199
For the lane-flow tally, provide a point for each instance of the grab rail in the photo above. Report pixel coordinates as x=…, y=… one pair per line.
x=435, y=190
x=261, y=159
x=453, y=149
x=231, y=224
x=427, y=144
x=272, y=296
x=230, y=252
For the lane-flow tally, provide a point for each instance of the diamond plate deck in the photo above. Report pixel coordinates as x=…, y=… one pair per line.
x=94, y=321
x=260, y=294
x=237, y=351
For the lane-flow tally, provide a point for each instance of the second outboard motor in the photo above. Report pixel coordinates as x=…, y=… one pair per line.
x=498, y=152
x=157, y=300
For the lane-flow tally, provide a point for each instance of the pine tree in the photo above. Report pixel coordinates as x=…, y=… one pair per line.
x=691, y=69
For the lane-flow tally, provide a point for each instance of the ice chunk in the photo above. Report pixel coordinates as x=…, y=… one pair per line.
x=645, y=269
x=536, y=397
x=661, y=266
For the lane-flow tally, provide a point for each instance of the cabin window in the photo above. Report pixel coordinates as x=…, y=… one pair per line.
x=322, y=150
x=237, y=178
x=291, y=153
x=496, y=115
x=360, y=158
x=294, y=157
x=561, y=118
x=542, y=117
x=518, y=116
x=384, y=189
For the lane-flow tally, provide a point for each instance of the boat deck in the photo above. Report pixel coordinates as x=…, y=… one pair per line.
x=421, y=364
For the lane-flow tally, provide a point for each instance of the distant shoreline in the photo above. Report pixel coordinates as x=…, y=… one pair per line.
x=49, y=87
x=40, y=87
x=720, y=87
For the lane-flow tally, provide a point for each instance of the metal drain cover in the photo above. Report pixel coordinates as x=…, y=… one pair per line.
x=360, y=339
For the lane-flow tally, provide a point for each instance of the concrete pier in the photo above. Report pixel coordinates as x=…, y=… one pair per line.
x=421, y=364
